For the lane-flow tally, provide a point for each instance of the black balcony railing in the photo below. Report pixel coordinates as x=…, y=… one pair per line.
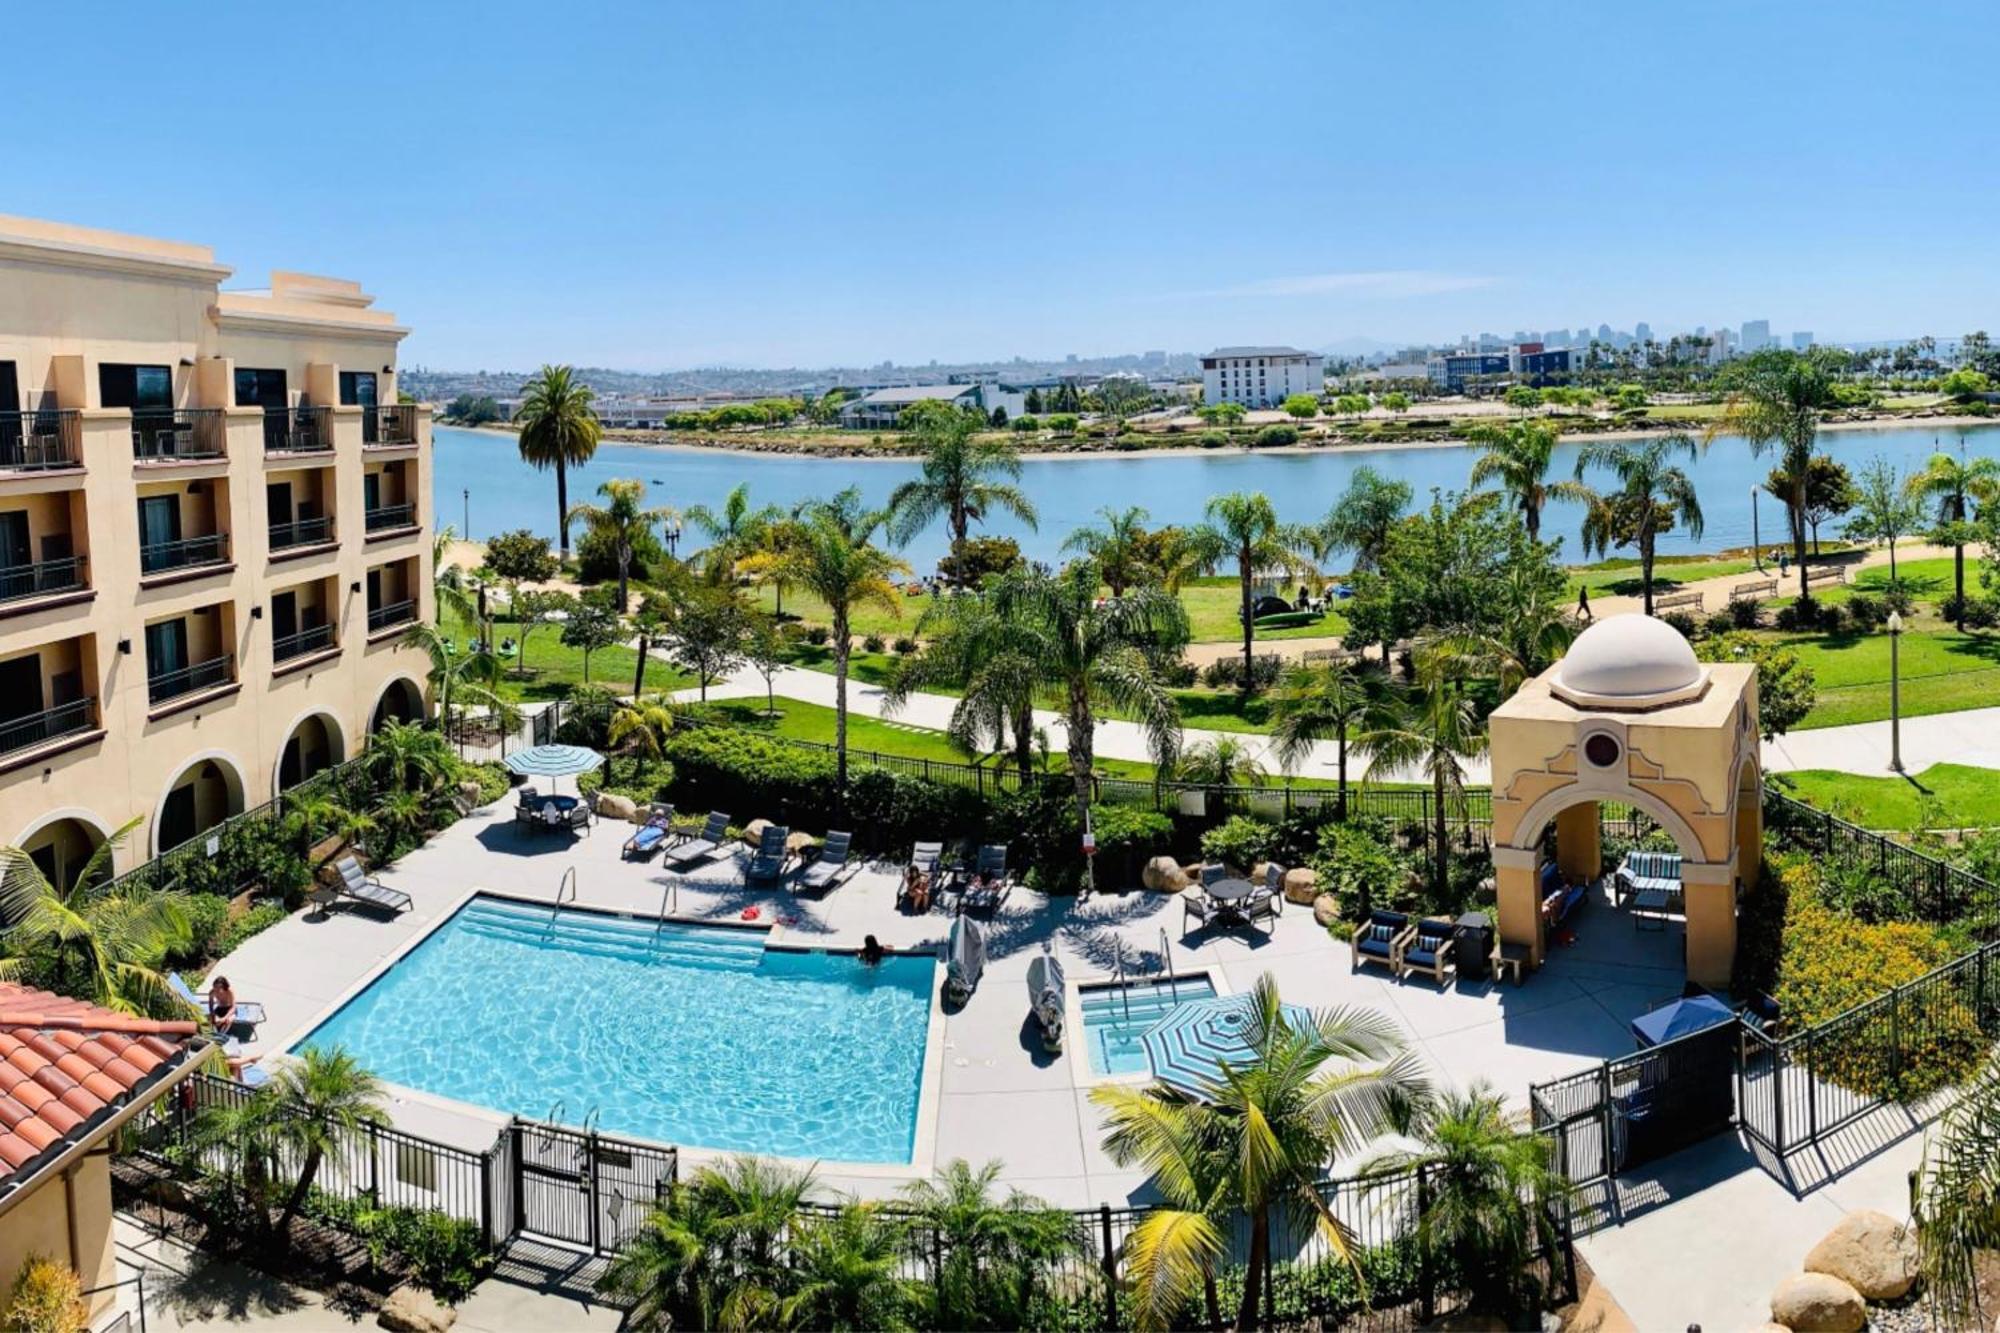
x=201, y=676
x=389, y=426
x=301, y=532
x=392, y=516
x=211, y=549
x=38, y=441
x=42, y=578
x=179, y=433
x=49, y=724
x=305, y=641
x=395, y=613
x=298, y=430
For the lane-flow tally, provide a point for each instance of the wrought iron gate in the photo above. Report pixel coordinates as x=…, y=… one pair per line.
x=581, y=1188
x=1640, y=1107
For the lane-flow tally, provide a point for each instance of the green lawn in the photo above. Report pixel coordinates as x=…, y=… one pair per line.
x=1620, y=578
x=1942, y=796
x=552, y=669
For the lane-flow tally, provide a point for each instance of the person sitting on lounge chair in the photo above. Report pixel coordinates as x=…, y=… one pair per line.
x=916, y=891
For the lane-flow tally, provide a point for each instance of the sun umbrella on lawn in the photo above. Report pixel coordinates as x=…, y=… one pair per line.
x=1188, y=1047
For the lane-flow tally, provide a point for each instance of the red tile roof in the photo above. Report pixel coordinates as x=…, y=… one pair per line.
x=64, y=1061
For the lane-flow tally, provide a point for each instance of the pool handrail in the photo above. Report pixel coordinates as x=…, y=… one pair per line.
x=1167, y=962
x=567, y=884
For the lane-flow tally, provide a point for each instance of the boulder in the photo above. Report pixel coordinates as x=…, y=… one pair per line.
x=1301, y=885
x=469, y=793
x=753, y=832
x=1163, y=874
x=1326, y=909
x=1871, y=1252
x=413, y=1310
x=1818, y=1303
x=613, y=806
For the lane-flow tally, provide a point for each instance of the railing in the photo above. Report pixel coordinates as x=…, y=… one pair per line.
x=47, y=725
x=395, y=613
x=41, y=578
x=391, y=516
x=209, y=549
x=301, y=532
x=39, y=441
x=298, y=430
x=201, y=676
x=121, y=1320
x=305, y=641
x=177, y=433
x=1927, y=888
x=389, y=427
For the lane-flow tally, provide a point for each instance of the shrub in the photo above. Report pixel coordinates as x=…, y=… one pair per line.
x=208, y=917
x=1867, y=610
x=47, y=1297
x=1684, y=623
x=1745, y=613
x=253, y=922
x=1212, y=439
x=1358, y=863
x=872, y=644
x=1179, y=673
x=817, y=635
x=1240, y=842
x=1721, y=622
x=1227, y=672
x=443, y=1253
x=904, y=645
x=1980, y=612
x=1277, y=435
x=587, y=717
x=492, y=777
x=1896, y=596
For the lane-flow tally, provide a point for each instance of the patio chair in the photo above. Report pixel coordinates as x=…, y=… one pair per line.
x=989, y=884
x=528, y=807
x=693, y=850
x=367, y=891
x=829, y=867
x=651, y=836
x=768, y=861
x=249, y=1014
x=578, y=816
x=1427, y=949
x=1197, y=906
x=1266, y=902
x=1379, y=939
x=1657, y=874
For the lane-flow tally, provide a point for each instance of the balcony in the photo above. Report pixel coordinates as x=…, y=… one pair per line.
x=50, y=724
x=313, y=640
x=189, y=552
x=302, y=532
x=389, y=427
x=388, y=617
x=171, y=685
x=42, y=579
x=387, y=518
x=188, y=434
x=298, y=430
x=39, y=441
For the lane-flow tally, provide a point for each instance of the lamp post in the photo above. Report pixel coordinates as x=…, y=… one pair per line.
x=1756, y=541
x=1895, y=694
x=672, y=529
x=466, y=495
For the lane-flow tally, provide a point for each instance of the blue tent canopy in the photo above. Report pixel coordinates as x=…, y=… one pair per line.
x=1188, y=1046
x=554, y=761
x=1680, y=1019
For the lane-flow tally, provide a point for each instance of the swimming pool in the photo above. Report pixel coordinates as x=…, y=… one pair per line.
x=1115, y=1019
x=694, y=1035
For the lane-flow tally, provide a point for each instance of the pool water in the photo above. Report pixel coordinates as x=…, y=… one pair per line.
x=691, y=1035
x=1116, y=1018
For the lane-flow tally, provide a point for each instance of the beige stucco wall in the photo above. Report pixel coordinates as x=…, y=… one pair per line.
x=42, y=1223
x=72, y=299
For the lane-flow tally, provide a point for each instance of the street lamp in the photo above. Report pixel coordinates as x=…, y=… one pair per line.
x=1895, y=694
x=1756, y=542
x=672, y=529
x=466, y=495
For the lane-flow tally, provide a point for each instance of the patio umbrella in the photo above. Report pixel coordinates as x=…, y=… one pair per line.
x=1680, y=1018
x=554, y=761
x=1188, y=1046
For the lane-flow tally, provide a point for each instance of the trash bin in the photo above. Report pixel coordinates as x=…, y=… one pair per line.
x=1472, y=946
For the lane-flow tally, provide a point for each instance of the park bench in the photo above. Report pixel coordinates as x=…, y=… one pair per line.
x=1754, y=590
x=1826, y=574
x=1673, y=600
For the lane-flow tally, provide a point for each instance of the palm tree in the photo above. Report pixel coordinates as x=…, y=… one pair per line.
x=832, y=554
x=1653, y=493
x=1490, y=1191
x=965, y=477
x=1223, y=761
x=845, y=1274
x=1516, y=455
x=1257, y=1141
x=313, y=813
x=1244, y=528
x=319, y=1100
x=640, y=729
x=559, y=430
x=990, y=657
x=1777, y=405
x=1437, y=732
x=1362, y=518
x=1953, y=1211
x=733, y=531
x=1118, y=546
x=623, y=520
x=90, y=939
x=407, y=756
x=451, y=584
x=1957, y=484
x=1534, y=629
x=992, y=1252
x=462, y=680
x=1319, y=703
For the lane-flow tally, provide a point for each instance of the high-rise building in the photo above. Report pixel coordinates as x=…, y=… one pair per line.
x=1756, y=334
x=214, y=534
x=1801, y=339
x=1642, y=331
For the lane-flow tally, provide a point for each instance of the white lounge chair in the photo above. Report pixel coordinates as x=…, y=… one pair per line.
x=366, y=890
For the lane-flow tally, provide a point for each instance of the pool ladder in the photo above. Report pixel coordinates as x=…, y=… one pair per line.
x=669, y=894
x=1166, y=969
x=566, y=886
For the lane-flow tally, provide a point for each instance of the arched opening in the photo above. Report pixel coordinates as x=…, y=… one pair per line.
x=314, y=745
x=62, y=846
x=402, y=701
x=208, y=791
x=1749, y=822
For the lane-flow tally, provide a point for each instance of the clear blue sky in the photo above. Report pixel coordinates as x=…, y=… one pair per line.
x=655, y=186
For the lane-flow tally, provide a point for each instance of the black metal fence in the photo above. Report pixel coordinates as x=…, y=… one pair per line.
x=1932, y=890
x=1639, y=1107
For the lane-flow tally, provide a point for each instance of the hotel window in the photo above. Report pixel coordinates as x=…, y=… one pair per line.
x=139, y=388
x=261, y=388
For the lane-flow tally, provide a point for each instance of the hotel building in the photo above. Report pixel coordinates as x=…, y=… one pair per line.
x=215, y=528
x=1261, y=376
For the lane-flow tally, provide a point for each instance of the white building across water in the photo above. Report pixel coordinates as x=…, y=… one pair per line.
x=1260, y=376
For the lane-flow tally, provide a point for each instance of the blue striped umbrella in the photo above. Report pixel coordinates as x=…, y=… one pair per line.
x=554, y=761
x=1188, y=1047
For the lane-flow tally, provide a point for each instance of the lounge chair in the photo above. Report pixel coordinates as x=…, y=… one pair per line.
x=829, y=867
x=768, y=861
x=651, y=836
x=692, y=850
x=988, y=885
x=1379, y=939
x=928, y=859
x=366, y=890
x=1427, y=949
x=249, y=1014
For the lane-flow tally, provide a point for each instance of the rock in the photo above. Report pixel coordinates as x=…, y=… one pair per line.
x=612, y=806
x=1163, y=874
x=1818, y=1303
x=1301, y=885
x=1871, y=1252
x=753, y=832
x=1326, y=909
x=1768, y=1327
x=414, y=1310
x=469, y=793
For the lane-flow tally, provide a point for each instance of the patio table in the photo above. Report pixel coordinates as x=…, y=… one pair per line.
x=1228, y=895
x=1651, y=905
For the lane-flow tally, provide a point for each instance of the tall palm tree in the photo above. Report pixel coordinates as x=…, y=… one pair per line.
x=1534, y=629
x=1362, y=518
x=1776, y=405
x=1256, y=1141
x=90, y=939
x=1333, y=702
x=1095, y=652
x=451, y=583
x=1437, y=733
x=1516, y=455
x=993, y=1252
x=965, y=477
x=622, y=520
x=462, y=681
x=1957, y=485
x=1653, y=494
x=832, y=554
x=990, y=658
x=560, y=430
x=320, y=1100
x=1117, y=546
x=733, y=531
x=1244, y=528
x=640, y=729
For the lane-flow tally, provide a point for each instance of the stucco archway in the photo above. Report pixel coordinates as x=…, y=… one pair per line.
x=401, y=700
x=207, y=790
x=61, y=841
x=313, y=743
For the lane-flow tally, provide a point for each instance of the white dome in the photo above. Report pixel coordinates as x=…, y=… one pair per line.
x=1629, y=661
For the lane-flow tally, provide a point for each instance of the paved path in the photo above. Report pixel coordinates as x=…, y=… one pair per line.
x=1715, y=592
x=1969, y=737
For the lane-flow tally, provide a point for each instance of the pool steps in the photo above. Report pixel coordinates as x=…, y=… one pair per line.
x=633, y=939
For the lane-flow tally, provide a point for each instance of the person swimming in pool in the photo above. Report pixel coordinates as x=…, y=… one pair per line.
x=872, y=951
